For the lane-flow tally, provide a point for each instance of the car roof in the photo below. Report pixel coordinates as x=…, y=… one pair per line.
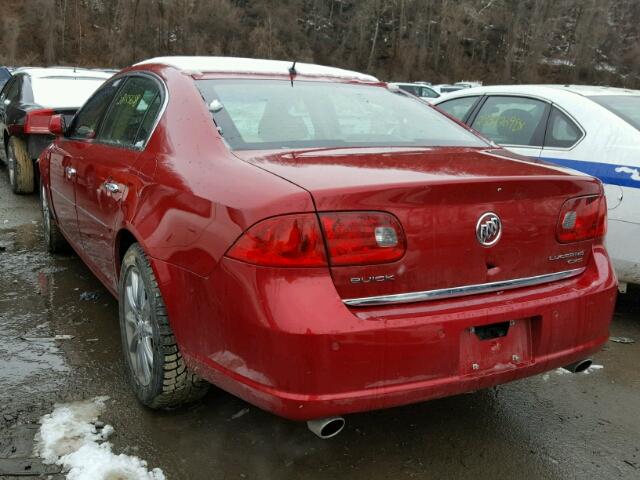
x=255, y=66
x=58, y=72
x=591, y=90
x=542, y=90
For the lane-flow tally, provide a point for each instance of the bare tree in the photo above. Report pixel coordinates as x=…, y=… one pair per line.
x=593, y=41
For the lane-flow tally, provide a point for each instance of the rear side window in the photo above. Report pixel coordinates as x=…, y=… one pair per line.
x=85, y=124
x=562, y=132
x=135, y=105
x=512, y=120
x=459, y=107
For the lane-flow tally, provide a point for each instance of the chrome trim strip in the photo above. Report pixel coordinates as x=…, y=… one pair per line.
x=461, y=291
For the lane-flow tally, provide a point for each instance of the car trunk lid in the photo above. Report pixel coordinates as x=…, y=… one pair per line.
x=439, y=196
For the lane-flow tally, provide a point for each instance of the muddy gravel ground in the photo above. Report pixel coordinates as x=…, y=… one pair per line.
x=550, y=426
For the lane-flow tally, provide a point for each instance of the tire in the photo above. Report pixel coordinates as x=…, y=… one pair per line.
x=53, y=238
x=20, y=167
x=156, y=369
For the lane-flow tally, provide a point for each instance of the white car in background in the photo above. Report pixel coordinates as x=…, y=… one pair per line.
x=446, y=89
x=595, y=130
x=425, y=92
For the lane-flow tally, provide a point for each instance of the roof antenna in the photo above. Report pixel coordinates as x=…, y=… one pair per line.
x=292, y=71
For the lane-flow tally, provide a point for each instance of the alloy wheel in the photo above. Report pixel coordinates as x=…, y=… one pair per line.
x=11, y=164
x=138, y=329
x=46, y=215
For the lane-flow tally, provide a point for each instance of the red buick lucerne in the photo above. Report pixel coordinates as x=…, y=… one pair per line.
x=319, y=243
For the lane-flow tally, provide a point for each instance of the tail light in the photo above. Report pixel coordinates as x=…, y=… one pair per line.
x=363, y=238
x=352, y=238
x=286, y=241
x=582, y=218
x=37, y=121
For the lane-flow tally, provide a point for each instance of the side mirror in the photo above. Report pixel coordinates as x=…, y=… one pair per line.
x=57, y=125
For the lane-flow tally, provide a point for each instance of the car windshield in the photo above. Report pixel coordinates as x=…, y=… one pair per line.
x=64, y=92
x=265, y=114
x=627, y=107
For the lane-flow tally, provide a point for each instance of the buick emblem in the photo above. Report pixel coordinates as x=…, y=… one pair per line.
x=488, y=229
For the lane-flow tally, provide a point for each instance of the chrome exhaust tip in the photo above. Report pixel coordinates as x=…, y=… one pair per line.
x=325, y=428
x=580, y=366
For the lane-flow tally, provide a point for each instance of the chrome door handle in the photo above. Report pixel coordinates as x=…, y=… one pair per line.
x=111, y=187
x=70, y=171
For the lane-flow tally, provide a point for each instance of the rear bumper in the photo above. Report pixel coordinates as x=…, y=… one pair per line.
x=284, y=341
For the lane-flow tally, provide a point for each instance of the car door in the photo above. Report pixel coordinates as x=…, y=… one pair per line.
x=514, y=122
x=105, y=173
x=67, y=154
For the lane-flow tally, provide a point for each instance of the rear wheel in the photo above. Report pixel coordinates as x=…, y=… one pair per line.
x=157, y=371
x=53, y=238
x=20, y=166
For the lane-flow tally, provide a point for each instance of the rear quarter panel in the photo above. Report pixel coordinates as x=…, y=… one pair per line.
x=196, y=198
x=610, y=151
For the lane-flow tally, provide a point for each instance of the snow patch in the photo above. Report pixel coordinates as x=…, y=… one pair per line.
x=562, y=371
x=592, y=369
x=69, y=437
x=557, y=62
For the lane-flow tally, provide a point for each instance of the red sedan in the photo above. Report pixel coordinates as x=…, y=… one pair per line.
x=319, y=243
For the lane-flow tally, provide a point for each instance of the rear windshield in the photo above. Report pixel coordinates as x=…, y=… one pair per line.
x=627, y=107
x=63, y=92
x=265, y=114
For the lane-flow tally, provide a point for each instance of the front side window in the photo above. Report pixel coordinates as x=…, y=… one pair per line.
x=562, y=132
x=627, y=107
x=123, y=123
x=459, y=107
x=262, y=114
x=512, y=120
x=85, y=124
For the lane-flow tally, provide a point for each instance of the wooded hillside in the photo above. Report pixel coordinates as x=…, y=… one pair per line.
x=497, y=41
